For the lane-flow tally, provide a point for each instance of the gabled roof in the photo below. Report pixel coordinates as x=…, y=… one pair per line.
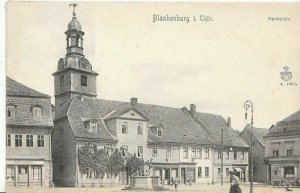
x=258, y=133
x=214, y=124
x=78, y=113
x=177, y=126
x=24, y=99
x=293, y=117
x=117, y=113
x=288, y=126
x=14, y=88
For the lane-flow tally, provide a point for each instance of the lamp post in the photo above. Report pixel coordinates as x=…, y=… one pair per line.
x=248, y=104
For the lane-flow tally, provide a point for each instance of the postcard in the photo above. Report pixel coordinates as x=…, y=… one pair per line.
x=152, y=96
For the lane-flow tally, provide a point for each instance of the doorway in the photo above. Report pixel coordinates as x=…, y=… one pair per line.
x=23, y=178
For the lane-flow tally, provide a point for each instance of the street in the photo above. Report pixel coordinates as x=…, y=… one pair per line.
x=182, y=188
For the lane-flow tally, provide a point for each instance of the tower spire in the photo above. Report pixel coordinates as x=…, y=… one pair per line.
x=74, y=13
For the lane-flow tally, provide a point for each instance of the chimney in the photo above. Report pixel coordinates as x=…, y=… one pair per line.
x=133, y=101
x=229, y=121
x=184, y=109
x=193, y=110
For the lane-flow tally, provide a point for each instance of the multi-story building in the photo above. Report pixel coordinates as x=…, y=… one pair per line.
x=259, y=167
x=230, y=151
x=173, y=140
x=28, y=135
x=282, y=152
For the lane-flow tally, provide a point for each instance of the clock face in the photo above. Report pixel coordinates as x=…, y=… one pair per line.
x=84, y=63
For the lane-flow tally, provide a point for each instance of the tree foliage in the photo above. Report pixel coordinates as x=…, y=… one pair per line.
x=116, y=163
x=134, y=165
x=98, y=159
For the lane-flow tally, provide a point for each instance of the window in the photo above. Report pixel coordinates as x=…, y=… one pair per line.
x=199, y=172
x=219, y=154
x=242, y=155
x=40, y=140
x=10, y=173
x=275, y=152
x=140, y=129
x=108, y=149
x=227, y=171
x=10, y=111
x=154, y=151
x=206, y=172
x=83, y=80
x=227, y=154
x=93, y=127
x=158, y=132
x=140, y=151
x=289, y=152
x=185, y=152
x=219, y=171
x=168, y=151
x=194, y=152
x=36, y=172
x=124, y=150
x=124, y=127
x=289, y=171
x=18, y=140
x=235, y=155
x=91, y=173
x=37, y=112
x=62, y=81
x=199, y=153
x=29, y=140
x=206, y=151
x=8, y=140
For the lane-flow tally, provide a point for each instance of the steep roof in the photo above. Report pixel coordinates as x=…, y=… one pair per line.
x=288, y=126
x=14, y=88
x=177, y=126
x=293, y=117
x=214, y=124
x=258, y=133
x=24, y=99
x=79, y=111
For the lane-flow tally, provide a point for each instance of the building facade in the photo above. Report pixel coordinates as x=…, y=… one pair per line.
x=177, y=142
x=282, y=152
x=259, y=169
x=28, y=136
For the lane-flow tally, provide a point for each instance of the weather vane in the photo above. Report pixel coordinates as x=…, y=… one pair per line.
x=73, y=5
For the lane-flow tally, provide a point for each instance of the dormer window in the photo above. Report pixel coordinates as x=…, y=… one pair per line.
x=83, y=80
x=37, y=112
x=93, y=127
x=158, y=132
x=11, y=111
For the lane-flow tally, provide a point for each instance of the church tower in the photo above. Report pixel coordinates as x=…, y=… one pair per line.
x=74, y=75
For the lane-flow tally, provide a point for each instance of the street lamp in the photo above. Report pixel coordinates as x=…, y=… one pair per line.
x=248, y=104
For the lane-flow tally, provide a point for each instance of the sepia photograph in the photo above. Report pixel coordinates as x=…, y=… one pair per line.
x=152, y=96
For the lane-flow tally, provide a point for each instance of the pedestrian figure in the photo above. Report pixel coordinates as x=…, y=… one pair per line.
x=176, y=183
x=234, y=183
x=287, y=186
x=172, y=181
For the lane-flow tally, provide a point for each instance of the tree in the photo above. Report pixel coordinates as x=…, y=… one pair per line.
x=134, y=165
x=98, y=159
x=116, y=163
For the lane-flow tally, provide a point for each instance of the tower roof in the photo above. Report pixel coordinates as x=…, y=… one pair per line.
x=74, y=24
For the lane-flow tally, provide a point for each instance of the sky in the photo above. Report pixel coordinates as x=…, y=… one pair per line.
x=216, y=65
